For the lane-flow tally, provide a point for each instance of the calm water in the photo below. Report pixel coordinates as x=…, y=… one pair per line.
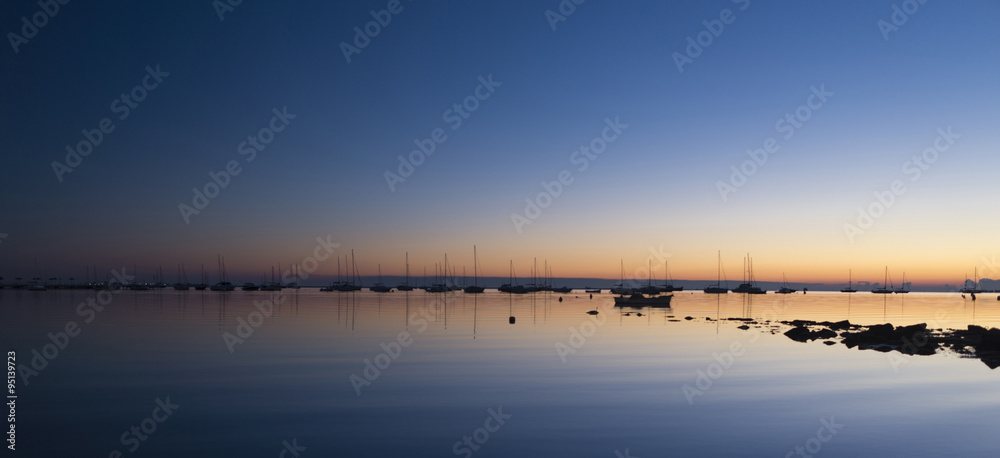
x=619, y=384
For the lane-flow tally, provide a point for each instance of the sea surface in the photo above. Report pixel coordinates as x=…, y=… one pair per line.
x=253, y=374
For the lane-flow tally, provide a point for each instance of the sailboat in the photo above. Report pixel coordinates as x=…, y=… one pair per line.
x=850, y=284
x=748, y=284
x=36, y=282
x=295, y=272
x=138, y=286
x=475, y=288
x=668, y=284
x=204, y=280
x=179, y=286
x=513, y=287
x=975, y=286
x=650, y=289
x=620, y=288
x=784, y=287
x=533, y=287
x=273, y=285
x=560, y=289
x=406, y=284
x=902, y=286
x=717, y=287
x=379, y=287
x=159, y=283
x=223, y=284
x=639, y=299
x=883, y=289
x=441, y=286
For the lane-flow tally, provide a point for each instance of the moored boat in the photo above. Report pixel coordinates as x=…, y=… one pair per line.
x=639, y=299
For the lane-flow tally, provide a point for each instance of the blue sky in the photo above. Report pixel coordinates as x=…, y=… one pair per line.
x=654, y=186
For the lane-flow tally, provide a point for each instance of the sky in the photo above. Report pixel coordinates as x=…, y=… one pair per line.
x=879, y=95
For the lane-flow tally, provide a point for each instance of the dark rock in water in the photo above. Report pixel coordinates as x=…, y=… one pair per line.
x=688, y=318
x=560, y=299
x=638, y=314
x=881, y=330
x=744, y=327
x=829, y=342
x=593, y=312
x=803, y=334
x=800, y=323
x=840, y=325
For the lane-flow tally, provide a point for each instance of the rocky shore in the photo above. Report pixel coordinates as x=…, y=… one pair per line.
x=973, y=342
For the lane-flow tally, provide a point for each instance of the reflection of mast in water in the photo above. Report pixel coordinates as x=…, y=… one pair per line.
x=182, y=302
x=510, y=309
x=718, y=308
x=222, y=310
x=475, y=311
x=406, y=314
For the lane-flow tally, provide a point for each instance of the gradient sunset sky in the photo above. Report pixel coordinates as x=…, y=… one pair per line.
x=654, y=188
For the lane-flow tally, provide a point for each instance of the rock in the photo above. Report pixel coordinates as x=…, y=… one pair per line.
x=840, y=325
x=593, y=312
x=803, y=334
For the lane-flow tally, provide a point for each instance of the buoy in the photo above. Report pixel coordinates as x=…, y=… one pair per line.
x=560, y=298
x=591, y=296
